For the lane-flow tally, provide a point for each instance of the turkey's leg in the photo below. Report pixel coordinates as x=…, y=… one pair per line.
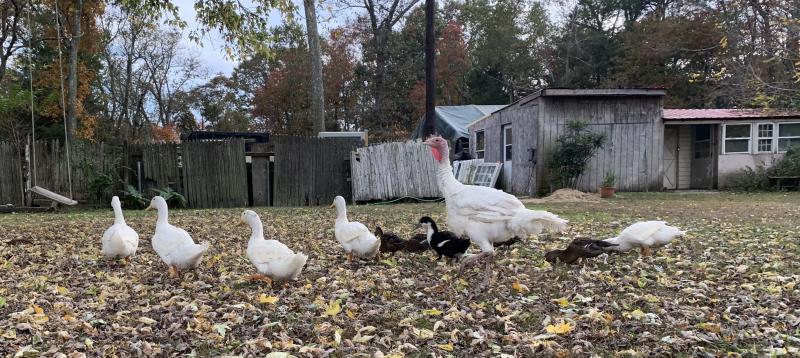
x=487, y=278
x=470, y=260
x=173, y=271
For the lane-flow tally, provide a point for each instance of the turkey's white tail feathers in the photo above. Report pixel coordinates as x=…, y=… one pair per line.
x=533, y=222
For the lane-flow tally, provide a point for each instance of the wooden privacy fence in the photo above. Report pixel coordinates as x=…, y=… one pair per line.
x=311, y=171
x=11, y=179
x=214, y=173
x=393, y=170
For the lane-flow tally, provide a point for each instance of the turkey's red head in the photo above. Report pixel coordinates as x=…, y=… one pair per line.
x=439, y=147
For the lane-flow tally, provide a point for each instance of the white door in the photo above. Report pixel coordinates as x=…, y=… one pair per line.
x=507, y=152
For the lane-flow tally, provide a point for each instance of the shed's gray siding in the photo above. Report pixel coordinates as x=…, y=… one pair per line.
x=523, y=120
x=634, y=131
x=632, y=122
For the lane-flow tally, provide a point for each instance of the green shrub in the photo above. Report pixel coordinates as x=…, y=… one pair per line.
x=789, y=166
x=133, y=198
x=174, y=199
x=572, y=153
x=748, y=179
x=757, y=179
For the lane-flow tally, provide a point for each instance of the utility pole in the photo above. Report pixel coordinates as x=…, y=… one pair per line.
x=430, y=75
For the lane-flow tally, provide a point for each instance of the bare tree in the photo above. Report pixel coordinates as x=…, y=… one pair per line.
x=170, y=71
x=383, y=15
x=122, y=86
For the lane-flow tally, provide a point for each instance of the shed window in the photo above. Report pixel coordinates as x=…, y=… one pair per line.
x=480, y=144
x=788, y=136
x=737, y=138
x=765, y=137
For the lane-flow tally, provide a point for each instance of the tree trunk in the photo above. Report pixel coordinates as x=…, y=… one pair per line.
x=72, y=77
x=430, y=74
x=315, y=60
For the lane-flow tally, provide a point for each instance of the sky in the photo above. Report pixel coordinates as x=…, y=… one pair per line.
x=211, y=50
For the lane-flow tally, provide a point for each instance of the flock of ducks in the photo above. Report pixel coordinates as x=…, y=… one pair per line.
x=481, y=215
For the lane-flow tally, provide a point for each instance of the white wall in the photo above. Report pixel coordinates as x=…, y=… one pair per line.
x=730, y=163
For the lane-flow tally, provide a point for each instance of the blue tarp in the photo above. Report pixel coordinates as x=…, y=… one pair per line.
x=452, y=121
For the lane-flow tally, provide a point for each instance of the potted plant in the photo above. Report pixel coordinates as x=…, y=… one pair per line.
x=607, y=188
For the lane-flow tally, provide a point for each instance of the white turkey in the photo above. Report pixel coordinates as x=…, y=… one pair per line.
x=485, y=215
x=645, y=235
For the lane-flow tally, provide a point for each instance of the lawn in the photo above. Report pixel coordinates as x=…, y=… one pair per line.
x=729, y=287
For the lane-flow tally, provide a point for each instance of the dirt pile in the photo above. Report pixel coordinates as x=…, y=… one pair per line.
x=566, y=196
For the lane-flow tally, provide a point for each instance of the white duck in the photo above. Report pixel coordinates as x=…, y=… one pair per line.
x=485, y=215
x=272, y=259
x=119, y=240
x=354, y=237
x=174, y=245
x=645, y=235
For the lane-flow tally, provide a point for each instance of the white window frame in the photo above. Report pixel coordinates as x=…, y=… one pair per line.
x=725, y=138
x=778, y=138
x=756, y=131
x=478, y=149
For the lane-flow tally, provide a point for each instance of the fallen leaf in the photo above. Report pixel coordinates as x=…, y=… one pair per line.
x=561, y=328
x=447, y=347
x=264, y=299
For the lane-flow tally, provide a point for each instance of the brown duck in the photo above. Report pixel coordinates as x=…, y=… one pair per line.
x=390, y=242
x=579, y=248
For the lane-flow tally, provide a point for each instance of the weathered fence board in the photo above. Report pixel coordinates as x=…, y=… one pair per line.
x=160, y=167
x=87, y=161
x=214, y=173
x=393, y=170
x=311, y=171
x=11, y=178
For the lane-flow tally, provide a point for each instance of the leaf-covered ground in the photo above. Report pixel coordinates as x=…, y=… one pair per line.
x=729, y=288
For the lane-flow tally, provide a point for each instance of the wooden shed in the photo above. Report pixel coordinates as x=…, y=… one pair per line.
x=522, y=135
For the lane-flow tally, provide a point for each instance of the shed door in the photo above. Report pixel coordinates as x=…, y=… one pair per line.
x=507, y=152
x=670, y=157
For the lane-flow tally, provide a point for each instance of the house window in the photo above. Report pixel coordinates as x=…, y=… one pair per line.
x=737, y=138
x=765, y=138
x=480, y=144
x=788, y=136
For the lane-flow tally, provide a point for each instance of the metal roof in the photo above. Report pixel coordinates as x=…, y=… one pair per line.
x=452, y=121
x=723, y=113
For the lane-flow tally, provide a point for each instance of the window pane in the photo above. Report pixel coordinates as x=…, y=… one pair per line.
x=508, y=152
x=509, y=136
x=479, y=141
x=765, y=130
x=737, y=131
x=737, y=146
x=785, y=143
x=765, y=145
x=479, y=154
x=702, y=132
x=789, y=130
